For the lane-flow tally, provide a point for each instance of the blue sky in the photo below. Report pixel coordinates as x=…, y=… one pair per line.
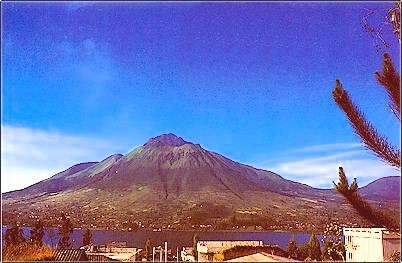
x=251, y=81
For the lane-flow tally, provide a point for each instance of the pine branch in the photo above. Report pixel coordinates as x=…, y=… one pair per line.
x=391, y=80
x=362, y=206
x=365, y=130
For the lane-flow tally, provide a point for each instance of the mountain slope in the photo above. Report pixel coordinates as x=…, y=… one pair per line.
x=386, y=188
x=169, y=181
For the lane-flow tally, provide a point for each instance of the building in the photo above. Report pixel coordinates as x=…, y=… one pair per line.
x=112, y=251
x=116, y=253
x=115, y=244
x=370, y=244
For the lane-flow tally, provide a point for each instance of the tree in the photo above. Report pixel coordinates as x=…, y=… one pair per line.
x=302, y=252
x=371, y=139
x=148, y=248
x=334, y=248
x=292, y=248
x=37, y=233
x=392, y=20
x=86, y=237
x=14, y=235
x=51, y=235
x=314, y=247
x=394, y=16
x=396, y=256
x=363, y=207
x=65, y=230
x=195, y=241
x=219, y=257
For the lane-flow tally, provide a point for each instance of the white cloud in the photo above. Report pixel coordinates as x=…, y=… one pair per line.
x=29, y=156
x=330, y=147
x=320, y=171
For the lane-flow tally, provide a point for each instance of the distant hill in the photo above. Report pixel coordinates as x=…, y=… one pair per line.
x=386, y=188
x=171, y=182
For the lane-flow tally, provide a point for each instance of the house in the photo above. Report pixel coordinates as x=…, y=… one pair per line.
x=70, y=255
x=370, y=244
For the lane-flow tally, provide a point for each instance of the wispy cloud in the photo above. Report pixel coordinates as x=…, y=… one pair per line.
x=329, y=147
x=91, y=67
x=30, y=155
x=74, y=6
x=318, y=165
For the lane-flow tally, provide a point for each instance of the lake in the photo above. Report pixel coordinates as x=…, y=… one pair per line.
x=174, y=238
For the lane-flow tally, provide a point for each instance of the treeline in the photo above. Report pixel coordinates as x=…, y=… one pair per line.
x=334, y=249
x=18, y=247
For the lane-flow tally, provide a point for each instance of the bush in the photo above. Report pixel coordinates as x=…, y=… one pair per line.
x=396, y=256
x=27, y=252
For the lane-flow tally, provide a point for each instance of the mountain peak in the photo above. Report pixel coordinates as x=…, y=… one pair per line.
x=168, y=139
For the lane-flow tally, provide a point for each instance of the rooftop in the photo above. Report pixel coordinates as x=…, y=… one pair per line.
x=261, y=257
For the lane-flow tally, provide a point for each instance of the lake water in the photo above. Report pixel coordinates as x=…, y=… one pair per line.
x=174, y=238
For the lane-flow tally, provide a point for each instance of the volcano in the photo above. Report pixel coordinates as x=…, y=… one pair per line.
x=171, y=182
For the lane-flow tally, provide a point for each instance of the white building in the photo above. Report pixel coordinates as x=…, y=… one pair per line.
x=370, y=244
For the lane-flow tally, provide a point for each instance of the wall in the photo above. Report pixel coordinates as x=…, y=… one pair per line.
x=390, y=245
x=365, y=244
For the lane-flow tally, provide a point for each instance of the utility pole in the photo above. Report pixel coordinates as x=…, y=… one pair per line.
x=153, y=254
x=177, y=253
x=166, y=251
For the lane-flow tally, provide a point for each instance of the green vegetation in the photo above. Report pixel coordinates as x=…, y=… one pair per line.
x=195, y=240
x=314, y=248
x=37, y=233
x=396, y=256
x=27, y=252
x=86, y=237
x=52, y=236
x=390, y=79
x=19, y=248
x=147, y=249
x=373, y=141
x=14, y=235
x=334, y=249
x=65, y=230
x=292, y=248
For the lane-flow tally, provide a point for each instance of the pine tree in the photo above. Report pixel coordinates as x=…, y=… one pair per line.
x=303, y=252
x=372, y=140
x=86, y=237
x=314, y=248
x=375, y=216
x=13, y=235
x=148, y=248
x=292, y=248
x=52, y=236
x=65, y=230
x=37, y=233
x=195, y=241
x=328, y=244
